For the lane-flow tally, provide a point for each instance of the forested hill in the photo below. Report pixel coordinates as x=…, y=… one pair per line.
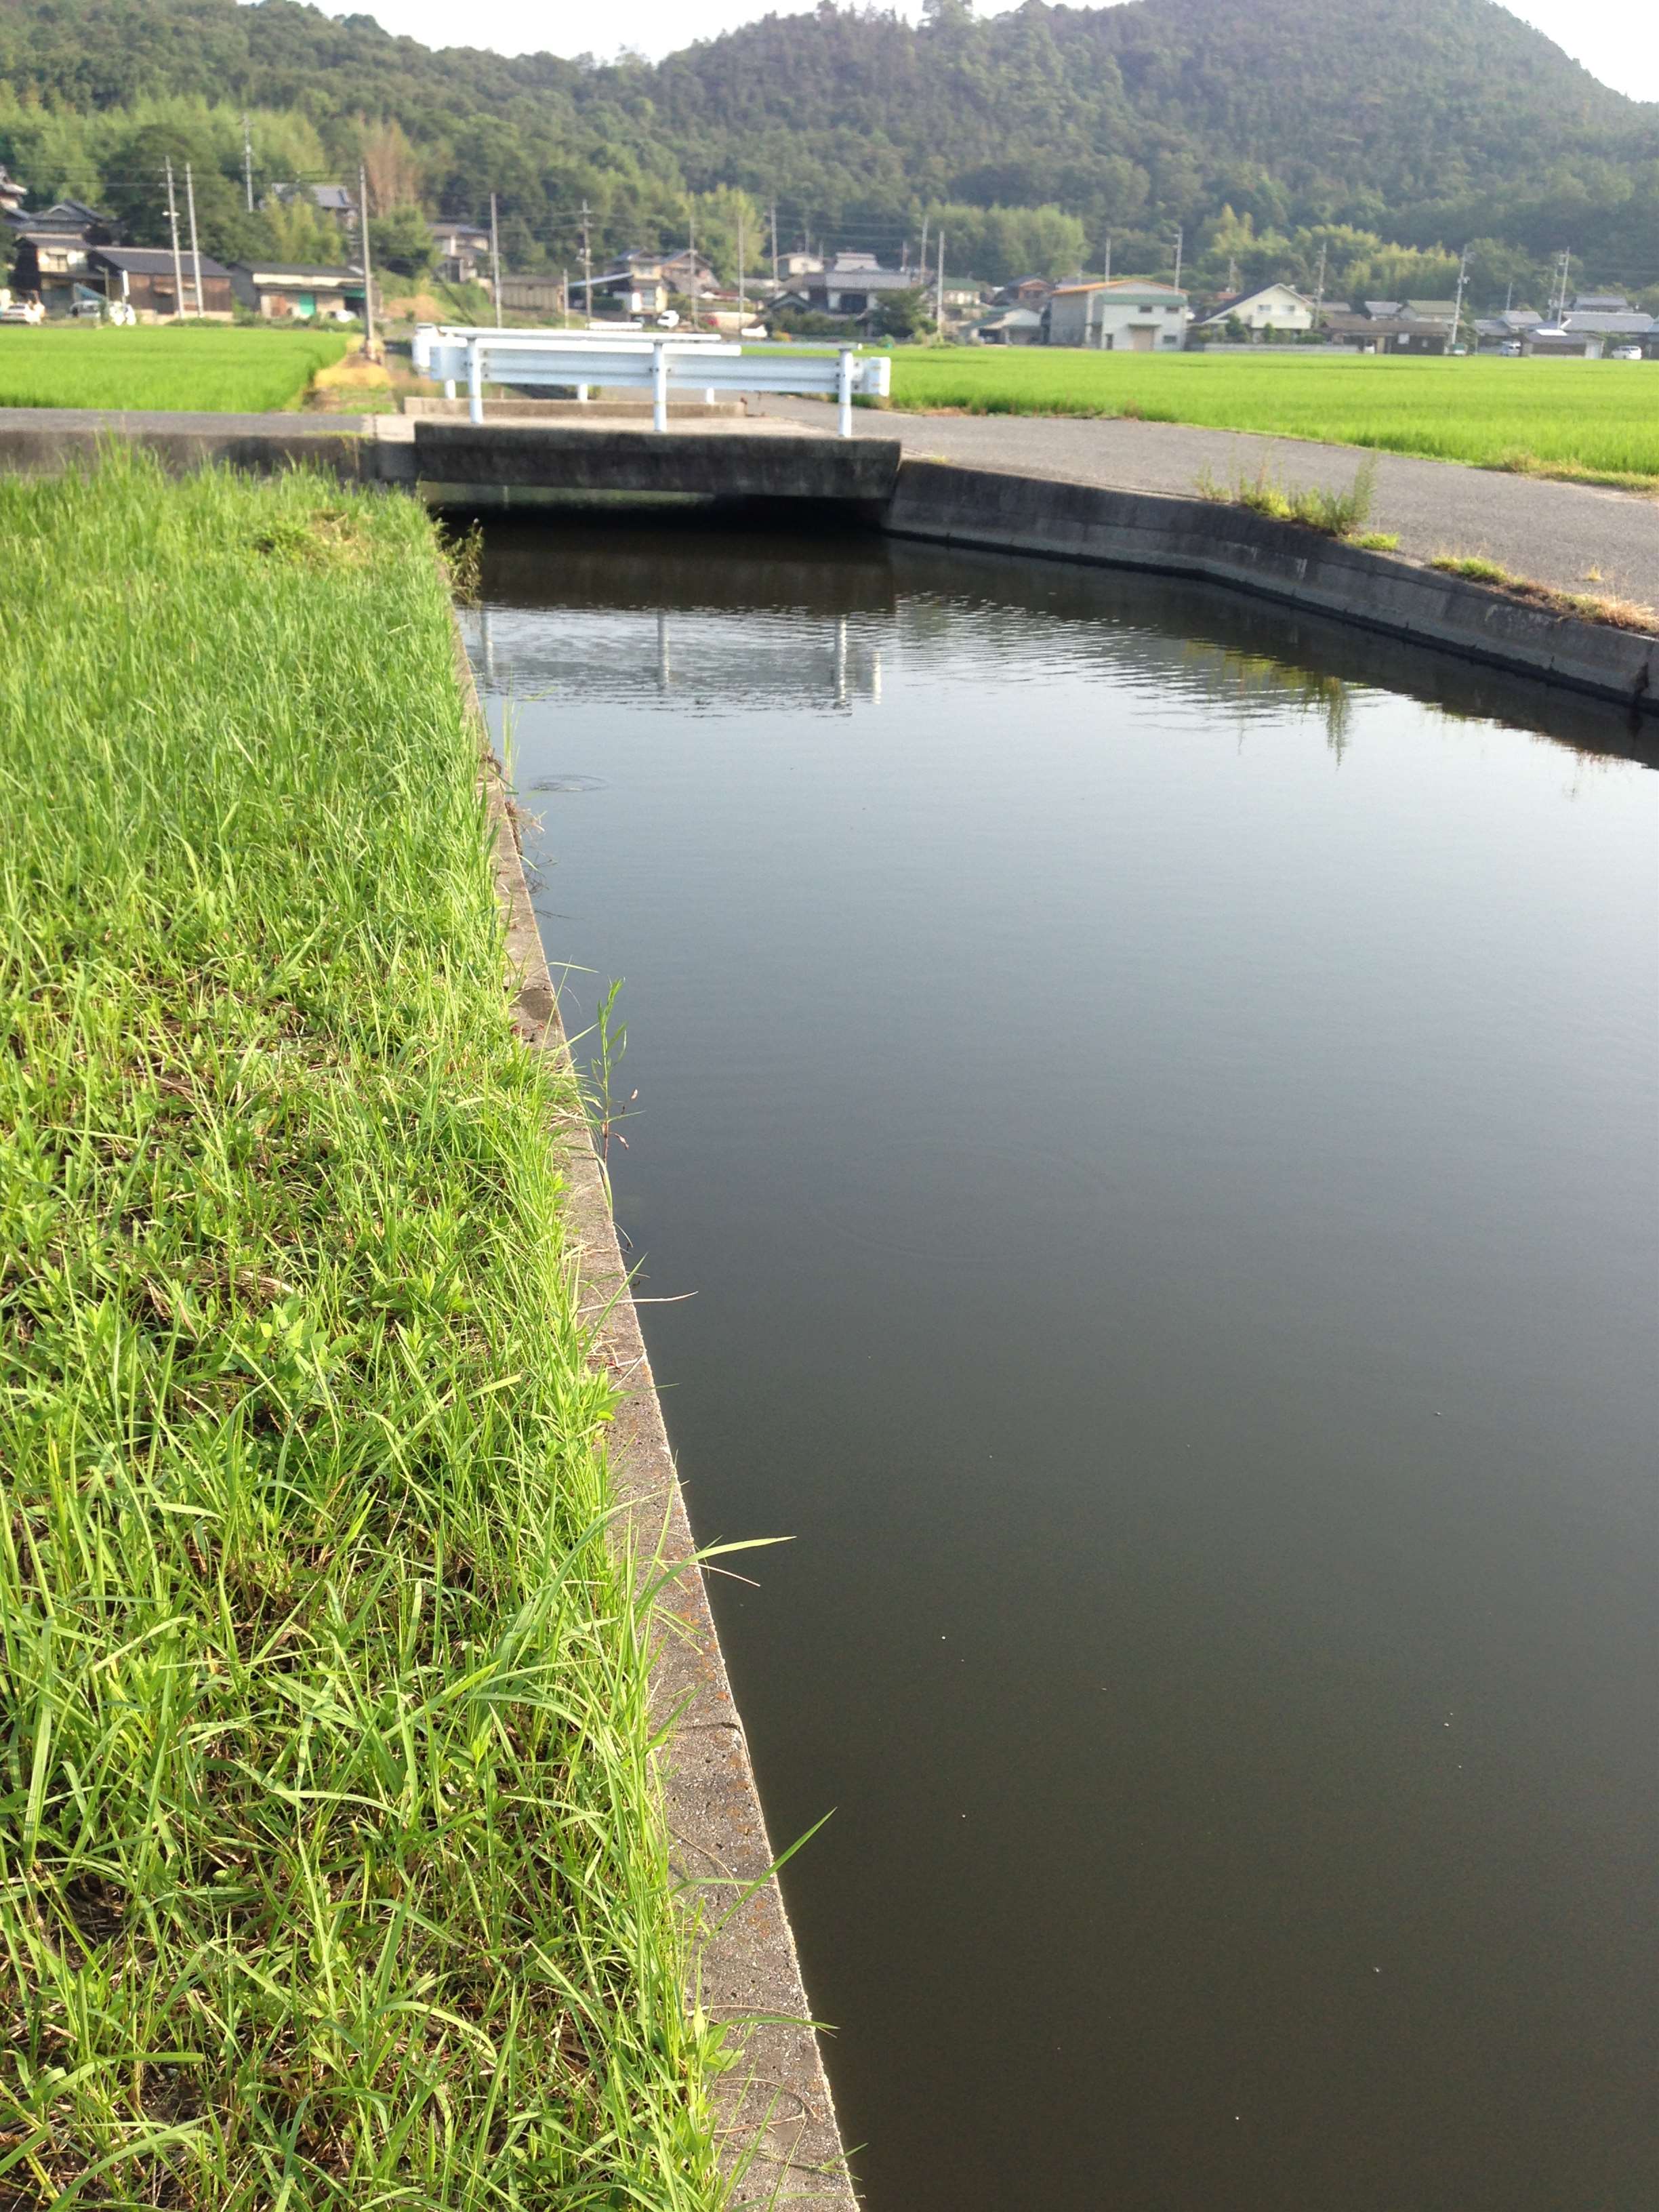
x=1424, y=122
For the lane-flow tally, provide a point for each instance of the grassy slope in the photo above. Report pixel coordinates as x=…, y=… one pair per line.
x=330, y=1870
x=1598, y=416
x=213, y=368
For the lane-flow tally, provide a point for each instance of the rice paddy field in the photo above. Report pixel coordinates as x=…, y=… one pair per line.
x=331, y=1869
x=1591, y=418
x=216, y=369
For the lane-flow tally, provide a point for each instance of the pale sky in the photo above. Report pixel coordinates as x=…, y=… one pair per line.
x=1617, y=40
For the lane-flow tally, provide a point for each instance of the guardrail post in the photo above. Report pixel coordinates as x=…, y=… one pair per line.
x=844, y=393
x=659, y=387
x=449, y=387
x=475, y=380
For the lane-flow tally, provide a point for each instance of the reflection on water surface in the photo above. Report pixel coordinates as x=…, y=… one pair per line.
x=1154, y=1100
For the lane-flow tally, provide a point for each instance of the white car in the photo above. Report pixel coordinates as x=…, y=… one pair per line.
x=1626, y=353
x=22, y=311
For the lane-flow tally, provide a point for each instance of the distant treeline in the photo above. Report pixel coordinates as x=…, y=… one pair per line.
x=1391, y=132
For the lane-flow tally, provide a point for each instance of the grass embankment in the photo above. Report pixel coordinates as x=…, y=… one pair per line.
x=332, y=1872
x=213, y=368
x=1597, y=419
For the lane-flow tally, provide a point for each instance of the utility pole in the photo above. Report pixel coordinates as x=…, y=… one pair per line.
x=743, y=289
x=369, y=274
x=938, y=289
x=1457, y=305
x=921, y=258
x=564, y=291
x=247, y=162
x=691, y=254
x=496, y=261
x=774, y=241
x=1108, y=257
x=195, y=250
x=1319, y=289
x=178, y=268
x=1509, y=295
x=587, y=270
x=1180, y=234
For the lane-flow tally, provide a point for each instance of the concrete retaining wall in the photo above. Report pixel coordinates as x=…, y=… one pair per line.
x=1228, y=545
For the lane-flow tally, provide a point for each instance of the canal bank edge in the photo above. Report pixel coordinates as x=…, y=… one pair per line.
x=1221, y=542
x=521, y=466
x=779, y=2135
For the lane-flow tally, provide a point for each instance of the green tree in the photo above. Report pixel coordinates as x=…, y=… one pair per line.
x=400, y=240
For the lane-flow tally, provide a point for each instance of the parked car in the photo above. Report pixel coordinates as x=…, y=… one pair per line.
x=21, y=311
x=1626, y=353
x=1512, y=348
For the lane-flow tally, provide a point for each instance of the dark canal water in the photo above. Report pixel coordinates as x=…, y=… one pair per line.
x=1157, y=1104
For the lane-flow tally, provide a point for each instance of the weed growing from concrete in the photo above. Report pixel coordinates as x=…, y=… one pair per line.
x=1333, y=514
x=1590, y=606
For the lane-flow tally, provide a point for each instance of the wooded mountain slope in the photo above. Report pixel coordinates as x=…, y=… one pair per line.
x=1426, y=121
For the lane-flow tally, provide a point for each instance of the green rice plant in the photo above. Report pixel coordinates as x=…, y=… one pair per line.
x=214, y=368
x=332, y=1872
x=1598, y=420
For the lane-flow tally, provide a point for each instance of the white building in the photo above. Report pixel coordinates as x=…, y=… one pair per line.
x=1127, y=315
x=1272, y=307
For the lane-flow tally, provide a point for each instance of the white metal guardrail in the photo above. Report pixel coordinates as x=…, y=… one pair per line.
x=698, y=361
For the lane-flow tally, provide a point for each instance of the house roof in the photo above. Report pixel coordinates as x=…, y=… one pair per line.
x=861, y=273
x=1230, y=302
x=1387, y=326
x=1013, y=319
x=1631, y=322
x=294, y=273
x=1127, y=288
x=1431, y=311
x=156, y=260
x=1611, y=303
x=1383, y=307
x=459, y=230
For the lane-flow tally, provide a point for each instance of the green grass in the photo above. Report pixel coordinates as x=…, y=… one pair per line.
x=332, y=1870
x=1333, y=513
x=1596, y=419
x=213, y=368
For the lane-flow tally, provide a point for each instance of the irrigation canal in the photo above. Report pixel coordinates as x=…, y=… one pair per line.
x=1145, y=1116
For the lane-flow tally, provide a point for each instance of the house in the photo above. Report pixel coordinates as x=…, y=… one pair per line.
x=143, y=276
x=1387, y=333
x=639, y=283
x=281, y=291
x=49, y=246
x=1590, y=334
x=690, y=273
x=334, y=201
x=1382, y=311
x=1123, y=315
x=1270, y=307
x=1430, y=311
x=1508, y=327
x=793, y=266
x=851, y=284
x=531, y=295
x=1012, y=326
x=462, y=249
x=1599, y=303
x=1029, y=292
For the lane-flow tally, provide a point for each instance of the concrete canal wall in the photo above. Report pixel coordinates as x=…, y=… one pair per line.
x=1228, y=545
x=517, y=465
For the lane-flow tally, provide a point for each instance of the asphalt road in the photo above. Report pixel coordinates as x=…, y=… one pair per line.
x=1555, y=533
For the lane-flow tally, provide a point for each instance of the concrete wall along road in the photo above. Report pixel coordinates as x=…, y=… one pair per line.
x=1229, y=545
